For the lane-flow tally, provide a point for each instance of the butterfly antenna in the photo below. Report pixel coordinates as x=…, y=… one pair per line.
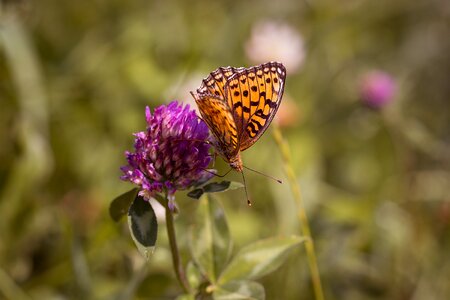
x=249, y=203
x=265, y=175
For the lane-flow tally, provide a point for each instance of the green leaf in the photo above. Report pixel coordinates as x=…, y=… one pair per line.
x=120, y=205
x=222, y=186
x=193, y=275
x=235, y=290
x=196, y=194
x=143, y=226
x=210, y=238
x=259, y=259
x=215, y=187
x=235, y=185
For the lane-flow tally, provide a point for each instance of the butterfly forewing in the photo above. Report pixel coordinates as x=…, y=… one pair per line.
x=254, y=95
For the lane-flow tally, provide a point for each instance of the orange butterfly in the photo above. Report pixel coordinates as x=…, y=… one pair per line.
x=238, y=104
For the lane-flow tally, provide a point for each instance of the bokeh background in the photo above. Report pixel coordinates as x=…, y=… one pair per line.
x=366, y=114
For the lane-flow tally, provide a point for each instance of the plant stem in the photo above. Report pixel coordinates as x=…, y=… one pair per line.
x=178, y=267
x=304, y=224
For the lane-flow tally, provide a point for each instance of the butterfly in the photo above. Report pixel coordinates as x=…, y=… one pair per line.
x=238, y=105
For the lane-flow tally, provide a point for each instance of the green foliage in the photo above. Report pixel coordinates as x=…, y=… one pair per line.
x=121, y=204
x=215, y=187
x=211, y=272
x=143, y=226
x=259, y=259
x=210, y=239
x=239, y=290
x=211, y=249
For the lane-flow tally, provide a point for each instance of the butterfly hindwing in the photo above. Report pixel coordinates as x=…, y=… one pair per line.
x=215, y=82
x=254, y=95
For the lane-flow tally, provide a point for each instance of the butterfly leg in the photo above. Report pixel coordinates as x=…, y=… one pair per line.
x=193, y=140
x=214, y=158
x=218, y=175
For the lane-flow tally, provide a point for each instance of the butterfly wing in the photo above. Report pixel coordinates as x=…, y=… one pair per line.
x=214, y=84
x=254, y=95
x=219, y=118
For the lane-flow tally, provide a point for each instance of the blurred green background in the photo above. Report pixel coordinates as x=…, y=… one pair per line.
x=75, y=77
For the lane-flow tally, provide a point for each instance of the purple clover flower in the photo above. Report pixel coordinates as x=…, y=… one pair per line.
x=172, y=154
x=377, y=89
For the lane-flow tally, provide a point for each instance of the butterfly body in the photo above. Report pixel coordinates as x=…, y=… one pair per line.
x=238, y=105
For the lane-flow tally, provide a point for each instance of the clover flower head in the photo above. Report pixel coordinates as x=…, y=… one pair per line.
x=377, y=89
x=172, y=154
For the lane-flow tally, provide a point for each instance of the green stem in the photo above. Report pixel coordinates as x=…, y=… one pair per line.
x=304, y=224
x=178, y=267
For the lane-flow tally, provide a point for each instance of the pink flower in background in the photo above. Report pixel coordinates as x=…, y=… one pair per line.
x=377, y=89
x=276, y=41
